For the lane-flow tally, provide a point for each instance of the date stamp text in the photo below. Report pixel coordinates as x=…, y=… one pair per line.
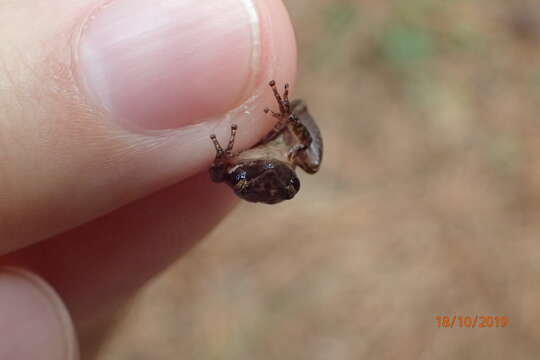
x=471, y=322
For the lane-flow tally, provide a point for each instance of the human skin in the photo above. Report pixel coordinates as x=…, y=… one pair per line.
x=105, y=115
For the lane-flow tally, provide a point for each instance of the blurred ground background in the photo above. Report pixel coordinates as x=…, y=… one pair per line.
x=426, y=204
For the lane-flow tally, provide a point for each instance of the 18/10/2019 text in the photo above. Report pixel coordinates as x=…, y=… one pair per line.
x=476, y=321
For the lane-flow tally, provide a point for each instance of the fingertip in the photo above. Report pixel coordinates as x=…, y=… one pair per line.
x=34, y=322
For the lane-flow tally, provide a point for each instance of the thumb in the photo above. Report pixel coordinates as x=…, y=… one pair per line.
x=104, y=105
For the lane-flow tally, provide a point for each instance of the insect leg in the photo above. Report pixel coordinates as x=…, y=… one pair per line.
x=277, y=96
x=219, y=149
x=274, y=114
x=231, y=139
x=295, y=149
x=278, y=127
x=286, y=103
x=300, y=130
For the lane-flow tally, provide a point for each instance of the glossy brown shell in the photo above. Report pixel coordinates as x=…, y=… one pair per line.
x=309, y=159
x=266, y=181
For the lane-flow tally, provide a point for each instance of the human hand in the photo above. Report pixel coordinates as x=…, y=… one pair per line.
x=104, y=124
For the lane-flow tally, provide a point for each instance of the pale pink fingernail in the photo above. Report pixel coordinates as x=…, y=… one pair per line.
x=158, y=64
x=34, y=323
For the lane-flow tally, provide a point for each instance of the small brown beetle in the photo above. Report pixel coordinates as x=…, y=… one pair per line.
x=266, y=172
